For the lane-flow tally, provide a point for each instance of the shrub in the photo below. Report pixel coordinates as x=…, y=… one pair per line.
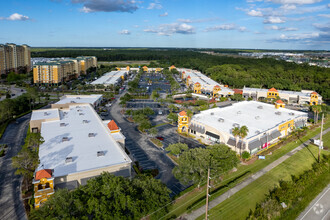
x=245, y=155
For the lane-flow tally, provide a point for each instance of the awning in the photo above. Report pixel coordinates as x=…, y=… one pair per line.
x=254, y=144
x=275, y=134
x=232, y=142
x=299, y=124
x=265, y=138
x=212, y=135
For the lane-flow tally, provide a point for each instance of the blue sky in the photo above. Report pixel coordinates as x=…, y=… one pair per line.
x=256, y=24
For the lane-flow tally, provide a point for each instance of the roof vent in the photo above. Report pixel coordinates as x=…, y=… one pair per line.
x=257, y=117
x=291, y=113
x=81, y=113
x=68, y=160
x=239, y=112
x=73, y=102
x=221, y=120
x=277, y=113
x=91, y=134
x=46, y=113
x=212, y=113
x=78, y=97
x=100, y=153
x=260, y=107
x=62, y=124
x=85, y=121
x=235, y=125
x=65, y=139
x=65, y=113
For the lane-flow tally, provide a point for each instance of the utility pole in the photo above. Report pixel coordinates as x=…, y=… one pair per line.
x=207, y=193
x=320, y=145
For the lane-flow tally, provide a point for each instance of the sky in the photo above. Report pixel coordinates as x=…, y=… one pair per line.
x=253, y=24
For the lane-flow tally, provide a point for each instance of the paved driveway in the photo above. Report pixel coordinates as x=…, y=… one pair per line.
x=11, y=204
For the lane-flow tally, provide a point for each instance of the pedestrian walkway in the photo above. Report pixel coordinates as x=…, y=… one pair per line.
x=195, y=214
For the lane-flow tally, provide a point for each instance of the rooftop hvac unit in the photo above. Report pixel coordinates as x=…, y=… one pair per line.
x=68, y=160
x=235, y=125
x=100, y=153
x=62, y=124
x=85, y=121
x=65, y=139
x=257, y=132
x=81, y=113
x=291, y=113
x=260, y=107
x=45, y=113
x=221, y=120
x=257, y=117
x=239, y=112
x=78, y=97
x=91, y=134
x=73, y=102
x=277, y=113
x=212, y=113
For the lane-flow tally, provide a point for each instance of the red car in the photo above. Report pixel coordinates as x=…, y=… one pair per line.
x=160, y=138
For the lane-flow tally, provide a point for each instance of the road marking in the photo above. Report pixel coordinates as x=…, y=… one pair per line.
x=314, y=203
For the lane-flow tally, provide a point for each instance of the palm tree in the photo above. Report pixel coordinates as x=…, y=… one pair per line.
x=318, y=109
x=314, y=109
x=236, y=132
x=243, y=132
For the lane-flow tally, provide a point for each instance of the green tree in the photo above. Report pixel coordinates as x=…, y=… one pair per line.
x=26, y=163
x=236, y=132
x=243, y=132
x=194, y=163
x=172, y=117
x=154, y=95
x=34, y=140
x=177, y=148
x=245, y=155
x=153, y=131
x=107, y=197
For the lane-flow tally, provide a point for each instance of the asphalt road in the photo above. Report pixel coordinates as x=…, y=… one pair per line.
x=11, y=204
x=319, y=209
x=13, y=90
x=142, y=150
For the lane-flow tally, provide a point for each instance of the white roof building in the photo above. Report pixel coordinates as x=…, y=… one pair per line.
x=111, y=78
x=78, y=145
x=260, y=118
x=207, y=83
x=93, y=99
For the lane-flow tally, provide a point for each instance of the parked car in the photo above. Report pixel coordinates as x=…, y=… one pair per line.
x=160, y=138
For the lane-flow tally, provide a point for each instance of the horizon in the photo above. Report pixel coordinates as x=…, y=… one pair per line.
x=239, y=24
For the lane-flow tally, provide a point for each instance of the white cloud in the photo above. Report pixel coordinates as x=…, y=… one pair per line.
x=124, y=32
x=275, y=27
x=107, y=5
x=255, y=13
x=221, y=27
x=183, y=20
x=298, y=2
x=273, y=20
x=288, y=7
x=154, y=5
x=163, y=15
x=170, y=29
x=299, y=36
x=323, y=27
x=16, y=17
x=242, y=29
x=324, y=15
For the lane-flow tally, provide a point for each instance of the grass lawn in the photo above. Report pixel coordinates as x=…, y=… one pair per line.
x=239, y=205
x=196, y=198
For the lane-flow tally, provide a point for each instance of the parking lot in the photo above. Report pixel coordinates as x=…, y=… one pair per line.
x=155, y=81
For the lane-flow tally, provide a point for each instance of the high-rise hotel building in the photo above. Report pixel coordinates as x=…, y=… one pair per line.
x=14, y=57
x=54, y=72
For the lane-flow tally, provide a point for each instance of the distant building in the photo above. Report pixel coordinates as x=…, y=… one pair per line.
x=78, y=146
x=291, y=97
x=202, y=84
x=61, y=70
x=266, y=123
x=14, y=58
x=111, y=78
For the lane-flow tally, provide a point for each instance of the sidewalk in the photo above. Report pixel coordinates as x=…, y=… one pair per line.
x=198, y=212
